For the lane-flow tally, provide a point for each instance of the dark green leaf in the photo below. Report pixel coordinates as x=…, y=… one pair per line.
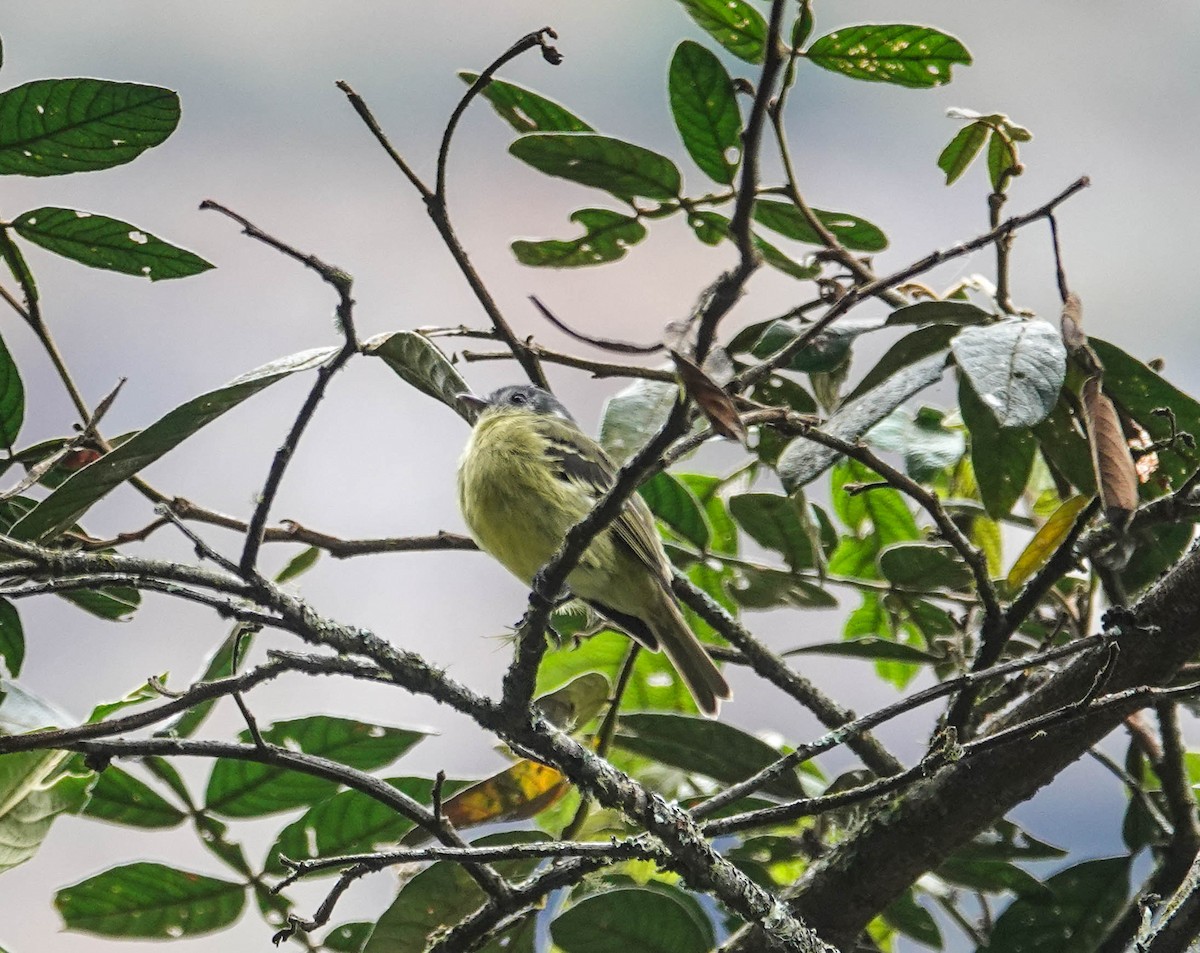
x=421, y=363
x=120, y=798
x=649, y=921
x=803, y=461
x=349, y=822
x=437, y=898
x=872, y=648
x=618, y=167
x=711, y=227
x=803, y=26
x=12, y=640
x=779, y=391
x=825, y=352
x=1065, y=448
x=102, y=242
x=990, y=875
x=907, y=916
x=856, y=234
x=1002, y=456
x=1155, y=551
x=1016, y=367
x=298, y=565
x=924, y=566
x=674, y=504
x=1072, y=917
x=525, y=110
x=1138, y=391
x=705, y=110
x=251, y=789
x=940, y=312
x=110, y=602
x=1002, y=158
x=734, y=24
x=71, y=500
x=347, y=938
x=771, y=519
x=961, y=151
x=723, y=537
x=914, y=56
x=56, y=126
x=755, y=588
x=150, y=901
x=607, y=236
x=12, y=399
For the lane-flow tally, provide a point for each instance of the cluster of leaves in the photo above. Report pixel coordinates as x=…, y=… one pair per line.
x=1017, y=449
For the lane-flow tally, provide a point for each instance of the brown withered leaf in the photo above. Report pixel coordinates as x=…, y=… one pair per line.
x=710, y=397
x=1111, y=459
x=1075, y=338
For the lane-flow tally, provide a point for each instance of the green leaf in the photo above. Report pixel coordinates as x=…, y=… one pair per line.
x=421, y=363
x=251, y=789
x=438, y=897
x=73, y=498
x=771, y=519
x=803, y=461
x=120, y=798
x=635, y=414
x=1002, y=456
x=940, y=312
x=57, y=126
x=674, y=504
x=710, y=227
x=924, y=566
x=1072, y=917
x=856, y=234
x=150, y=902
x=618, y=167
x=1016, y=367
x=872, y=648
x=102, y=242
x=12, y=640
x=919, y=57
x=33, y=792
x=1002, y=157
x=990, y=875
x=1138, y=391
x=298, y=565
x=755, y=588
x=347, y=938
x=111, y=603
x=705, y=110
x=928, y=447
x=524, y=110
x=734, y=24
x=12, y=399
x=907, y=916
x=707, y=489
x=961, y=151
x=220, y=665
x=649, y=921
x=802, y=28
x=606, y=237
x=825, y=352
x=349, y=822
x=1155, y=551
x=1065, y=448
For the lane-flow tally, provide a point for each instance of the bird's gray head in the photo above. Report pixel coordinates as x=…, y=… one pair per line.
x=518, y=398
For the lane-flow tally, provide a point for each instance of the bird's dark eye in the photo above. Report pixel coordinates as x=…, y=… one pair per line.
x=517, y=398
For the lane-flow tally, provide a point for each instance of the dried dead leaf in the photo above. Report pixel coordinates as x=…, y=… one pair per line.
x=1111, y=460
x=711, y=398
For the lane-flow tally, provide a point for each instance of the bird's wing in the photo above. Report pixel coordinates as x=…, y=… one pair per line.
x=584, y=464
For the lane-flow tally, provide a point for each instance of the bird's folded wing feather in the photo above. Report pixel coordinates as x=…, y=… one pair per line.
x=593, y=473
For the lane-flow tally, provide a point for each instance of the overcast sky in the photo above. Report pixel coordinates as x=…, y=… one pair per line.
x=265, y=132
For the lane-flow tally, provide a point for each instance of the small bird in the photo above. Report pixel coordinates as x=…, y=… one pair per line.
x=527, y=476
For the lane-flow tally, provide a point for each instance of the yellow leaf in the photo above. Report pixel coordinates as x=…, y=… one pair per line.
x=1045, y=541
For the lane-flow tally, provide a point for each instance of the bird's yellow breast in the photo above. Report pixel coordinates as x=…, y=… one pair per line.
x=513, y=503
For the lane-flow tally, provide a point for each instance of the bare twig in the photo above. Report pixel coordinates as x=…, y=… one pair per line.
x=604, y=344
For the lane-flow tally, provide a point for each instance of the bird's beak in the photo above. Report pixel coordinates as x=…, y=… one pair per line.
x=472, y=402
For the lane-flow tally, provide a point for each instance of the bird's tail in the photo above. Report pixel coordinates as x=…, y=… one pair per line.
x=701, y=676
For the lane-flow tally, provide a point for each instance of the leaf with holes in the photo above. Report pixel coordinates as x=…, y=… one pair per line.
x=856, y=234
x=916, y=56
x=1016, y=367
x=58, y=126
x=151, y=902
x=421, y=363
x=705, y=110
x=735, y=24
x=606, y=237
x=76, y=495
x=120, y=798
x=102, y=242
x=710, y=227
x=621, y=168
x=525, y=110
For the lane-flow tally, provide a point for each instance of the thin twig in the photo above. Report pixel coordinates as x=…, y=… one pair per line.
x=604, y=344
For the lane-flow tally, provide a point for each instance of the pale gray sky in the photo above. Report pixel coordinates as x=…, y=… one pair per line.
x=265, y=132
